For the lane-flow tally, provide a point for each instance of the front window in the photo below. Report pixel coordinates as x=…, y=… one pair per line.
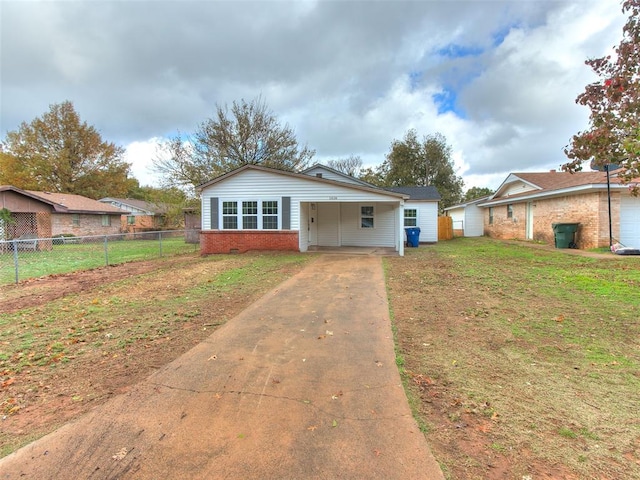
x=106, y=220
x=75, y=219
x=490, y=215
x=510, y=211
x=410, y=217
x=367, y=216
x=270, y=215
x=131, y=220
x=230, y=215
x=250, y=215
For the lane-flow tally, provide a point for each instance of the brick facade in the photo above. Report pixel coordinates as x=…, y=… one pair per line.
x=590, y=210
x=240, y=241
x=87, y=224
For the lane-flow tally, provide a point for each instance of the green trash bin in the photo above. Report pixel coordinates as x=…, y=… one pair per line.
x=564, y=234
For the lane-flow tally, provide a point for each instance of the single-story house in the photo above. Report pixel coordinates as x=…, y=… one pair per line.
x=45, y=214
x=259, y=208
x=526, y=205
x=467, y=218
x=142, y=217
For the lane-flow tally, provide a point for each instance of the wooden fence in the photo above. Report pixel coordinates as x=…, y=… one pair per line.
x=445, y=228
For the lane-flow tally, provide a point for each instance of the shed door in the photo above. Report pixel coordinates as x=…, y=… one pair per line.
x=630, y=221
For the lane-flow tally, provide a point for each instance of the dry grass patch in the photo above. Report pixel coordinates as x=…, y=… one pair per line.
x=521, y=362
x=70, y=342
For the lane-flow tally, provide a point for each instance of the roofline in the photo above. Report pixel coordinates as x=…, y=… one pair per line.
x=475, y=201
x=301, y=176
x=337, y=172
x=120, y=200
x=550, y=194
x=57, y=207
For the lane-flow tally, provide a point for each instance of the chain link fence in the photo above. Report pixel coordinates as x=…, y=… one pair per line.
x=27, y=256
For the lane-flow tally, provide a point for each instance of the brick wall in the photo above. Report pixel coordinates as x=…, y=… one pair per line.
x=87, y=224
x=589, y=210
x=240, y=241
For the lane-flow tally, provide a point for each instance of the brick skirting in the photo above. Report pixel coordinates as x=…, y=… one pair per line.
x=240, y=241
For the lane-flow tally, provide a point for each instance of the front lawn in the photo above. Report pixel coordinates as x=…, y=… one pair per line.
x=521, y=362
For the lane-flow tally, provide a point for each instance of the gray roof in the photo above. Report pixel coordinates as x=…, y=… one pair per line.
x=428, y=192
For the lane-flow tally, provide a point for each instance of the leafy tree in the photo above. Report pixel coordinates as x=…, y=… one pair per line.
x=423, y=162
x=248, y=133
x=372, y=176
x=477, y=192
x=59, y=153
x=613, y=136
x=350, y=165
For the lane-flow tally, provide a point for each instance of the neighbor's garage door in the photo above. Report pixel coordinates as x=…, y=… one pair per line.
x=630, y=221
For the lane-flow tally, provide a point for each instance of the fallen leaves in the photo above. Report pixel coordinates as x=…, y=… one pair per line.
x=120, y=454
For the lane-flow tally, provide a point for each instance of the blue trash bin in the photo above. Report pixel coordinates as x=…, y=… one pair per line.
x=413, y=236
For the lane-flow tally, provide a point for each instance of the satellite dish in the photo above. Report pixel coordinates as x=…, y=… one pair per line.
x=605, y=167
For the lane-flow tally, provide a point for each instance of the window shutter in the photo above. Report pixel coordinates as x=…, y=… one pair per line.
x=286, y=213
x=214, y=213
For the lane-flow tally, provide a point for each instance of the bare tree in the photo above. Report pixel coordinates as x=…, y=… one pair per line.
x=350, y=165
x=246, y=133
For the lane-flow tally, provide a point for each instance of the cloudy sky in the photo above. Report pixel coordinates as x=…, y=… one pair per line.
x=497, y=78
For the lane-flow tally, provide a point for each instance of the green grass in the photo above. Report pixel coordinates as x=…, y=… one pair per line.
x=522, y=336
x=83, y=256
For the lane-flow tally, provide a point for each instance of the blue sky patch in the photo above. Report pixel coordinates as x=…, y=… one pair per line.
x=458, y=51
x=446, y=101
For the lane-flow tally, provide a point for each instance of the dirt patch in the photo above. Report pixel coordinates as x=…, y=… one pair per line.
x=90, y=335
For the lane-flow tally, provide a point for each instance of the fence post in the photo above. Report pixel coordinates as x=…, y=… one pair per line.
x=160, y=240
x=15, y=258
x=106, y=251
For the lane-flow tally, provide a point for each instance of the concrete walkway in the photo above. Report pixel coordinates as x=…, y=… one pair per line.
x=301, y=385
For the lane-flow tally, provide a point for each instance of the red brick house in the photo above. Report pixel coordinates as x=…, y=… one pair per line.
x=45, y=214
x=527, y=204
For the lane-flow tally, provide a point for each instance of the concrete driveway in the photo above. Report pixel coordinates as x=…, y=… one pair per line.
x=301, y=385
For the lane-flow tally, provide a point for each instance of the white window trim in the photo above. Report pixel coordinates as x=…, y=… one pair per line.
x=240, y=214
x=360, y=216
x=404, y=216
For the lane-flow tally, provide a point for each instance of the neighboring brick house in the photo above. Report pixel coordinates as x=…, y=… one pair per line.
x=45, y=214
x=142, y=216
x=527, y=204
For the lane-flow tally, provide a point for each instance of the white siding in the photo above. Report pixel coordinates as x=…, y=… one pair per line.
x=328, y=218
x=630, y=221
x=516, y=188
x=328, y=174
x=474, y=221
x=457, y=217
x=427, y=219
x=252, y=184
x=382, y=235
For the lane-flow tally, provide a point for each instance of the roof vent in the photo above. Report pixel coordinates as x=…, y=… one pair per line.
x=552, y=171
x=319, y=175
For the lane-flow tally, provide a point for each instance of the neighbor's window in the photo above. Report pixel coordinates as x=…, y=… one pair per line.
x=131, y=220
x=366, y=216
x=490, y=215
x=75, y=218
x=410, y=217
x=229, y=215
x=270, y=215
x=106, y=220
x=250, y=215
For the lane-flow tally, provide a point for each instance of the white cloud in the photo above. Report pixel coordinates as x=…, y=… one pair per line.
x=348, y=77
